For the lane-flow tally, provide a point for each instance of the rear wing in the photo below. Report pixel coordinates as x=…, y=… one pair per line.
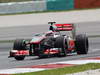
x=63, y=27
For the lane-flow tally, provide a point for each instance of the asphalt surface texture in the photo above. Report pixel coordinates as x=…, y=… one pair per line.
x=90, y=28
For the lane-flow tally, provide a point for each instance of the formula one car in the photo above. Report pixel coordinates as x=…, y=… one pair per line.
x=55, y=42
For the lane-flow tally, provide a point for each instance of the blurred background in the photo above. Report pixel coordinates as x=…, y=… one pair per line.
x=19, y=6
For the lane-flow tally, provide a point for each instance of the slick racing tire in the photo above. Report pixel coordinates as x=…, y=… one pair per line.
x=19, y=44
x=19, y=57
x=60, y=43
x=82, y=44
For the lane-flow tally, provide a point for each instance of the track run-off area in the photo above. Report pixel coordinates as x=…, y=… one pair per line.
x=90, y=28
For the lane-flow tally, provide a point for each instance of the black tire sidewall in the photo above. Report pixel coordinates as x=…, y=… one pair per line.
x=81, y=44
x=19, y=44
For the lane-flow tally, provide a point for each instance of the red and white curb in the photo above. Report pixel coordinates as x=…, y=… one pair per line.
x=49, y=66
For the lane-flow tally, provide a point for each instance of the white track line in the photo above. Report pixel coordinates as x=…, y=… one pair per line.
x=79, y=62
x=20, y=70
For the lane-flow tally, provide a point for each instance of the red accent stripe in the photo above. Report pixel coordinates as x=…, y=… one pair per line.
x=67, y=25
x=48, y=51
x=22, y=52
x=64, y=27
x=51, y=66
x=37, y=42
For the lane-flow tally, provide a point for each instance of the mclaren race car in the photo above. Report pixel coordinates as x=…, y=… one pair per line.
x=55, y=42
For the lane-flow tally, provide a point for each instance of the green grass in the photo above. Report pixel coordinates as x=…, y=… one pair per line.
x=36, y=12
x=94, y=36
x=66, y=70
x=6, y=41
x=11, y=41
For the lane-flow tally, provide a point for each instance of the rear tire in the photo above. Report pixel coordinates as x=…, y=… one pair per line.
x=82, y=44
x=19, y=44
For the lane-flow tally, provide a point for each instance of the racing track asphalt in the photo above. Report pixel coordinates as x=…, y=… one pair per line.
x=91, y=28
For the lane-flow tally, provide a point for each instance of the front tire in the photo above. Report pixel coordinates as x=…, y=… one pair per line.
x=82, y=44
x=19, y=44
